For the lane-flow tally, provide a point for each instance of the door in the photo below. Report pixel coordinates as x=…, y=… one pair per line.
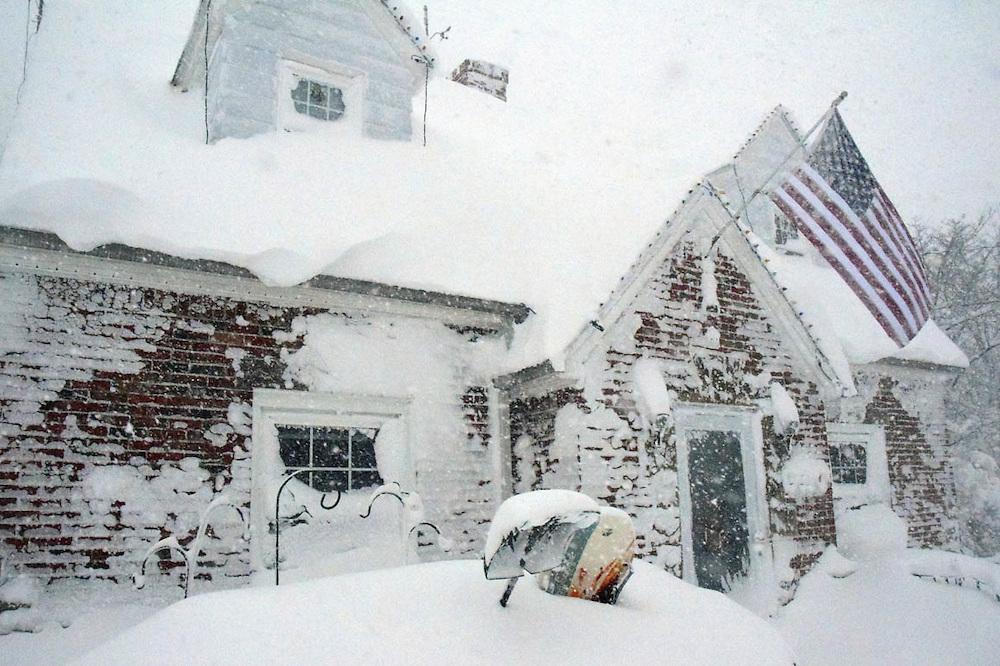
x=724, y=518
x=719, y=532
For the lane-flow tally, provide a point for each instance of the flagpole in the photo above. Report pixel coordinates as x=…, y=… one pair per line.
x=733, y=217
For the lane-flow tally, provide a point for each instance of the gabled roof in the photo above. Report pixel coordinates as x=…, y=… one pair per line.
x=703, y=212
x=545, y=200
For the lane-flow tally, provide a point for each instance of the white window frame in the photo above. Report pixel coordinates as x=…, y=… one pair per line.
x=350, y=82
x=876, y=489
x=747, y=422
x=273, y=407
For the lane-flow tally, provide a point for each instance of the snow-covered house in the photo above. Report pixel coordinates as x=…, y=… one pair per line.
x=140, y=388
x=707, y=397
x=735, y=396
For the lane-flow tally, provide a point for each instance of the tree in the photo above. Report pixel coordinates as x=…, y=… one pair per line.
x=962, y=258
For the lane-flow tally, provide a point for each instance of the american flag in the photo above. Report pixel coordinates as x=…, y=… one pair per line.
x=837, y=204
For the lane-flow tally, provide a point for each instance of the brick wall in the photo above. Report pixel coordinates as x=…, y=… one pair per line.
x=94, y=376
x=922, y=483
x=124, y=411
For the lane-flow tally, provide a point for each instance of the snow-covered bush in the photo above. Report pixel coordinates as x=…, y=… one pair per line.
x=805, y=474
x=871, y=532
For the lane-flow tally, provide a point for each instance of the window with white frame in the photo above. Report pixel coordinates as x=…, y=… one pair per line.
x=318, y=100
x=311, y=96
x=858, y=464
x=336, y=441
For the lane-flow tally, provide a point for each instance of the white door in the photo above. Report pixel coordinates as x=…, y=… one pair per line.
x=724, y=520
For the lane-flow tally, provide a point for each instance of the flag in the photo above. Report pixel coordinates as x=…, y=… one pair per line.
x=837, y=204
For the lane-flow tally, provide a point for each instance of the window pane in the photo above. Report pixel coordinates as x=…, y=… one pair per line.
x=318, y=100
x=849, y=463
x=363, y=448
x=293, y=445
x=343, y=458
x=329, y=447
x=365, y=479
x=329, y=481
x=317, y=93
x=300, y=92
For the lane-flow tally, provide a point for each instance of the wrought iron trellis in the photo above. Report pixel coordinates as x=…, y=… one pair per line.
x=277, y=519
x=383, y=491
x=189, y=554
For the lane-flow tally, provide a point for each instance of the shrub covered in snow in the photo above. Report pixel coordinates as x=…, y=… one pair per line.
x=805, y=474
x=870, y=532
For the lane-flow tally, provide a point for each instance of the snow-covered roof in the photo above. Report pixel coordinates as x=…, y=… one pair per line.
x=546, y=199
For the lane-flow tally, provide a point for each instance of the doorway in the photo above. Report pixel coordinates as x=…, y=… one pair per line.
x=724, y=524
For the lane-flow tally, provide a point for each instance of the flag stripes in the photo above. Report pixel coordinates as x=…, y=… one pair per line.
x=799, y=210
x=858, y=231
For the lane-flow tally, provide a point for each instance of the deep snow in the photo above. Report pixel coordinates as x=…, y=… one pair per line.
x=448, y=613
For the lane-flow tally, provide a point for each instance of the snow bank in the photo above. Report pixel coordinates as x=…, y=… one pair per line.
x=878, y=612
x=447, y=613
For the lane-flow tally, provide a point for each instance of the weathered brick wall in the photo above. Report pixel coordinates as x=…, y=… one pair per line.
x=533, y=424
x=125, y=411
x=95, y=376
x=923, y=487
x=725, y=354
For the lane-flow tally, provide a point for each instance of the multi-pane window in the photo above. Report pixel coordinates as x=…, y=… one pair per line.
x=337, y=458
x=849, y=463
x=318, y=100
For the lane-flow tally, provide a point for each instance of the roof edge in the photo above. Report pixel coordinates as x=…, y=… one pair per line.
x=44, y=240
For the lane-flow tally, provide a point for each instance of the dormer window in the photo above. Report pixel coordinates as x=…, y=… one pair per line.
x=318, y=100
x=310, y=97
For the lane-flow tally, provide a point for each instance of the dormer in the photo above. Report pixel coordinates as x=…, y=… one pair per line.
x=293, y=65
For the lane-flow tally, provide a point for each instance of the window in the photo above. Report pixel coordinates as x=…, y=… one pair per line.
x=858, y=464
x=345, y=441
x=312, y=97
x=318, y=100
x=337, y=458
x=849, y=462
